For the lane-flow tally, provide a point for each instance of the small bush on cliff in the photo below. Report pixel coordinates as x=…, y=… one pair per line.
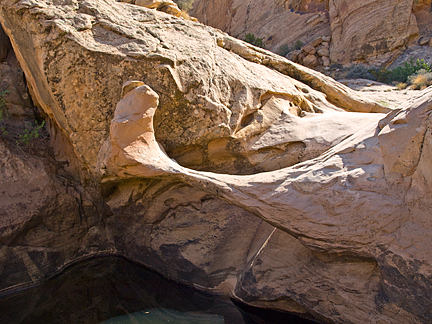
x=251, y=39
x=297, y=45
x=185, y=5
x=285, y=49
x=401, y=85
x=29, y=134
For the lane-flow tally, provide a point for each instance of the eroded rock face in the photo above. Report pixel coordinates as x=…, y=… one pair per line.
x=269, y=19
x=224, y=106
x=365, y=34
x=371, y=32
x=365, y=201
x=306, y=5
x=77, y=64
x=167, y=6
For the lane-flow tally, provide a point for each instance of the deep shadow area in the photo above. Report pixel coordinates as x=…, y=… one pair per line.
x=99, y=289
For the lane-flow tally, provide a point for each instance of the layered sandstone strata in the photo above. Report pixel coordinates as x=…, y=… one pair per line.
x=217, y=104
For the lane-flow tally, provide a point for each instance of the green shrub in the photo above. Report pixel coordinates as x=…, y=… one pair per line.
x=29, y=134
x=402, y=72
x=185, y=5
x=285, y=49
x=297, y=45
x=381, y=75
x=251, y=39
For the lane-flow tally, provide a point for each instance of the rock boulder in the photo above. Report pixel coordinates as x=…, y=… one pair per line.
x=366, y=202
x=125, y=174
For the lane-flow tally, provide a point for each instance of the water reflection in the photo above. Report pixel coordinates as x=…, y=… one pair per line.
x=115, y=291
x=163, y=315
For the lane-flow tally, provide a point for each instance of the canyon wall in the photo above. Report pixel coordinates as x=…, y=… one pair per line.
x=372, y=32
x=211, y=103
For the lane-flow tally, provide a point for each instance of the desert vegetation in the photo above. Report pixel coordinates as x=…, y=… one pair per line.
x=285, y=49
x=252, y=39
x=27, y=135
x=415, y=73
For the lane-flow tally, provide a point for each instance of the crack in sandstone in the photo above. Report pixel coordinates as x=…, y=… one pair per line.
x=358, y=228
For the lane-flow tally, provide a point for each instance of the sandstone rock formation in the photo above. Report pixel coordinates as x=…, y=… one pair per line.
x=224, y=106
x=313, y=54
x=182, y=77
x=305, y=5
x=378, y=28
x=372, y=32
x=168, y=6
x=367, y=198
x=271, y=20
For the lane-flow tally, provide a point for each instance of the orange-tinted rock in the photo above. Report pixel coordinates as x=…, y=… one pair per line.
x=324, y=51
x=277, y=22
x=310, y=61
x=309, y=49
x=349, y=194
x=376, y=28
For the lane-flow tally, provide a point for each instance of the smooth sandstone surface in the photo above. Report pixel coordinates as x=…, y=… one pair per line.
x=213, y=103
x=77, y=62
x=365, y=201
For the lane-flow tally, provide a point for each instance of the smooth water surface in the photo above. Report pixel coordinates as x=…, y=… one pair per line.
x=112, y=290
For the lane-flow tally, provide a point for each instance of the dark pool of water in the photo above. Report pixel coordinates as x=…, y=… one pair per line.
x=113, y=290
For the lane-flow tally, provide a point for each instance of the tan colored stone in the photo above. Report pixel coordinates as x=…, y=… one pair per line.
x=151, y=4
x=277, y=22
x=261, y=113
x=314, y=20
x=300, y=57
x=316, y=42
x=324, y=51
x=128, y=86
x=310, y=61
x=326, y=39
x=376, y=28
x=366, y=176
x=166, y=6
x=294, y=55
x=309, y=49
x=424, y=41
x=88, y=134
x=171, y=9
x=326, y=61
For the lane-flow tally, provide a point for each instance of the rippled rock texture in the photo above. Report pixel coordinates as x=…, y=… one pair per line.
x=371, y=32
x=344, y=250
